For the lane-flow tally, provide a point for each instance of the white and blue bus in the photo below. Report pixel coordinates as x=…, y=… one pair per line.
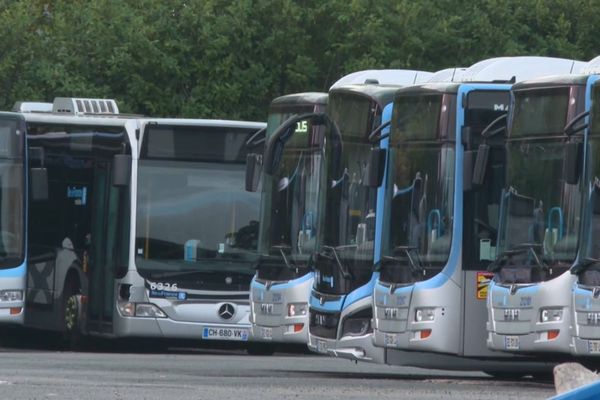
x=290, y=213
x=529, y=302
x=13, y=218
x=585, y=293
x=440, y=232
x=340, y=302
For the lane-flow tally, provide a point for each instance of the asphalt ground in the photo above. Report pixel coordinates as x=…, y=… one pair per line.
x=36, y=368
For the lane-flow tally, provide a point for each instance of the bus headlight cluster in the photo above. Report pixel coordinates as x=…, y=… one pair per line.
x=297, y=309
x=551, y=314
x=11, y=295
x=358, y=324
x=424, y=314
x=141, y=310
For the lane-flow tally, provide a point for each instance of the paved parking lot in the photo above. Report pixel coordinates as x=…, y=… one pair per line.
x=34, y=373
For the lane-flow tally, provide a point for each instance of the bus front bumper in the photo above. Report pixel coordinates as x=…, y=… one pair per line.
x=355, y=348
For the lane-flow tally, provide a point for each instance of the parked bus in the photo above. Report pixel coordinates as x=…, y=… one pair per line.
x=441, y=216
x=530, y=295
x=137, y=227
x=340, y=302
x=290, y=205
x=13, y=219
x=585, y=303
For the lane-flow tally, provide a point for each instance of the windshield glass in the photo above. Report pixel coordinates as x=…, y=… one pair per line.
x=290, y=199
x=590, y=243
x=540, y=213
x=420, y=194
x=194, y=215
x=348, y=231
x=11, y=194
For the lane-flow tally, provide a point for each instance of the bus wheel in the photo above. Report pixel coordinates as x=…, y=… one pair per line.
x=74, y=340
x=260, y=349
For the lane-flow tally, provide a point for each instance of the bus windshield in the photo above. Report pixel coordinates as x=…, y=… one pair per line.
x=590, y=241
x=193, y=215
x=420, y=194
x=290, y=199
x=540, y=213
x=349, y=222
x=12, y=219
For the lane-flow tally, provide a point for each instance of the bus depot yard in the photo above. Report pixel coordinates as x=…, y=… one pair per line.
x=153, y=372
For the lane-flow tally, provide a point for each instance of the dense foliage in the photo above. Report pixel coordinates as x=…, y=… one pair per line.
x=229, y=58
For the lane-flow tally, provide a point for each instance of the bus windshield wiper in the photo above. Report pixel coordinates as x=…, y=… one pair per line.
x=281, y=249
x=415, y=267
x=345, y=273
x=520, y=249
x=585, y=263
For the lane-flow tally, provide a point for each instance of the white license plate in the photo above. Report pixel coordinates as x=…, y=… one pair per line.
x=390, y=340
x=217, y=333
x=321, y=346
x=511, y=342
x=266, y=333
x=594, y=346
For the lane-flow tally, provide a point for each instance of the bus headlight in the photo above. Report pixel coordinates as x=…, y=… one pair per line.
x=147, y=310
x=126, y=309
x=551, y=314
x=141, y=310
x=424, y=314
x=358, y=324
x=11, y=295
x=297, y=309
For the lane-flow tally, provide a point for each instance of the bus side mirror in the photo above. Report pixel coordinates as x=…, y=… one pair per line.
x=376, y=167
x=253, y=168
x=121, y=169
x=468, y=170
x=39, y=183
x=572, y=166
x=481, y=162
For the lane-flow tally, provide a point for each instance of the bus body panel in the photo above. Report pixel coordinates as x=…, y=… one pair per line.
x=515, y=314
x=13, y=279
x=272, y=305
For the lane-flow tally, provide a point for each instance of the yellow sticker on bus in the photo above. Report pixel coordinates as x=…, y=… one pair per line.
x=483, y=281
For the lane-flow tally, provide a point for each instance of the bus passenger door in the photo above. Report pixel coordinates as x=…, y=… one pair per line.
x=101, y=269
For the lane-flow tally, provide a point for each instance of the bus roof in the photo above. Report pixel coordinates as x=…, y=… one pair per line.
x=383, y=77
x=516, y=69
x=300, y=99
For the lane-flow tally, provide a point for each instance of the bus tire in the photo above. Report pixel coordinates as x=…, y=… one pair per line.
x=73, y=338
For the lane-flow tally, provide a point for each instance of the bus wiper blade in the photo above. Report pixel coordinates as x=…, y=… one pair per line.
x=339, y=264
x=519, y=249
x=281, y=249
x=585, y=263
x=415, y=267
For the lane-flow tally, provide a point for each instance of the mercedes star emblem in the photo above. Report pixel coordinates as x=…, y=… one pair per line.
x=226, y=311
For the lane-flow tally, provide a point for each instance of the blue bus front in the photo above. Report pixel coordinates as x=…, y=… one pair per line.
x=340, y=302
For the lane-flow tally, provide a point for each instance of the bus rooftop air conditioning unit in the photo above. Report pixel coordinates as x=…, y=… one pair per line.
x=75, y=106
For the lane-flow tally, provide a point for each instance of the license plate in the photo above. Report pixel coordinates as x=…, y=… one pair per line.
x=321, y=346
x=511, y=342
x=216, y=333
x=266, y=333
x=390, y=340
x=594, y=346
